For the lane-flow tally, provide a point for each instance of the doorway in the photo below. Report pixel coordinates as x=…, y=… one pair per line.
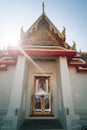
x=42, y=96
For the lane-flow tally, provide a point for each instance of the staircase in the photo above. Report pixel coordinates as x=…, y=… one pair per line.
x=41, y=124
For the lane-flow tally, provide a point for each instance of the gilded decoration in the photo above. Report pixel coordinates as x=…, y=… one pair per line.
x=41, y=98
x=43, y=32
x=43, y=23
x=43, y=36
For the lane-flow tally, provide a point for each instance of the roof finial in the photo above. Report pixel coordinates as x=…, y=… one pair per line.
x=43, y=7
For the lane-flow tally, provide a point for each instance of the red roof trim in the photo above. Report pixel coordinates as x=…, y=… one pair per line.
x=8, y=62
x=78, y=57
x=81, y=70
x=44, y=52
x=3, y=68
x=62, y=53
x=77, y=65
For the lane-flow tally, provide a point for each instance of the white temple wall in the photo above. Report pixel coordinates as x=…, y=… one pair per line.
x=6, y=80
x=79, y=89
x=41, y=68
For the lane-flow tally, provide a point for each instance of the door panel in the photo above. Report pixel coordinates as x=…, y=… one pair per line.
x=41, y=97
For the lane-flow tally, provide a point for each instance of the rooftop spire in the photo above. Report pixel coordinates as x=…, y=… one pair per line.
x=43, y=7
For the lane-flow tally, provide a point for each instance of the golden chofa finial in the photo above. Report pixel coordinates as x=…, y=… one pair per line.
x=43, y=7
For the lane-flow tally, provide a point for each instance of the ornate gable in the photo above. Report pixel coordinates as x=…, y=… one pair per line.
x=43, y=37
x=43, y=31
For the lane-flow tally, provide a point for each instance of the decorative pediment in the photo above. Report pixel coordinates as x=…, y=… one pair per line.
x=42, y=31
x=43, y=37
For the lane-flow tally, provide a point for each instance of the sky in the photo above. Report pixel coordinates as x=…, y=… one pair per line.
x=72, y=14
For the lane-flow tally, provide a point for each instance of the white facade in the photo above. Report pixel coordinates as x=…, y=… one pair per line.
x=79, y=89
x=6, y=81
x=44, y=57
x=19, y=97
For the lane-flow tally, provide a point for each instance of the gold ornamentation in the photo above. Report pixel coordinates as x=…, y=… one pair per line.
x=43, y=36
x=74, y=46
x=63, y=32
x=43, y=7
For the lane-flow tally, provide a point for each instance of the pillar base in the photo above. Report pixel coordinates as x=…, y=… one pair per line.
x=72, y=121
x=10, y=122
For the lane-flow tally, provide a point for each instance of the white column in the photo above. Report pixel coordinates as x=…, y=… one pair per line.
x=17, y=87
x=14, y=109
x=65, y=85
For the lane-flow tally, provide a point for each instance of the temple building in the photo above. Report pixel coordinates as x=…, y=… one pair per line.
x=43, y=78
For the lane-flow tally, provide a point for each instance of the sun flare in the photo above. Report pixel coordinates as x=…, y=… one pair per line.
x=11, y=39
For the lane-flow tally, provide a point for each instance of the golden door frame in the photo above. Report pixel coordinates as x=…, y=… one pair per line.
x=42, y=96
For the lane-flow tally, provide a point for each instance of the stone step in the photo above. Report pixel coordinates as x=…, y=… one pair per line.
x=83, y=122
x=41, y=129
x=41, y=124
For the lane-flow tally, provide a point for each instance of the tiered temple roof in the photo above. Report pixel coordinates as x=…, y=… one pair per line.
x=43, y=41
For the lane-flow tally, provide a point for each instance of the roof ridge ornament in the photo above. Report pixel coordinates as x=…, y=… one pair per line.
x=43, y=8
x=64, y=31
x=74, y=45
x=22, y=33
